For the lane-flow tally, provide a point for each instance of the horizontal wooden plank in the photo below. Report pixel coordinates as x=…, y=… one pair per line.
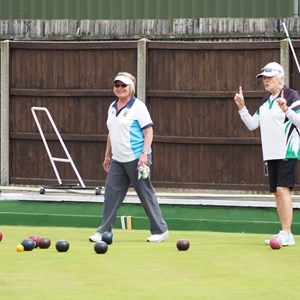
x=210, y=186
x=205, y=140
x=65, y=137
x=61, y=92
x=156, y=139
x=150, y=93
x=73, y=45
x=109, y=93
x=201, y=94
x=213, y=45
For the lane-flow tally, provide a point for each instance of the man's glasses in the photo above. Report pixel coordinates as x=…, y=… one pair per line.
x=117, y=85
x=270, y=70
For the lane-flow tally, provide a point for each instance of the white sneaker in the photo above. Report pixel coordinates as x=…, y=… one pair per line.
x=158, y=237
x=287, y=239
x=96, y=237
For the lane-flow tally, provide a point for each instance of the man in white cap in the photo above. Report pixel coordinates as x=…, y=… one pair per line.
x=279, y=121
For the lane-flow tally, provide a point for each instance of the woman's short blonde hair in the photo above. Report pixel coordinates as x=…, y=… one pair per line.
x=132, y=78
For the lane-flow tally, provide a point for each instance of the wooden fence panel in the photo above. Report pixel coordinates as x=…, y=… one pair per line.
x=74, y=82
x=199, y=140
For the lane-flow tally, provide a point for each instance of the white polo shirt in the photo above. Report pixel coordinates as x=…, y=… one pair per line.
x=279, y=131
x=126, y=129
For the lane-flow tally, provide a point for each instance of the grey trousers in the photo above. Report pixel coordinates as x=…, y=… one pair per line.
x=119, y=177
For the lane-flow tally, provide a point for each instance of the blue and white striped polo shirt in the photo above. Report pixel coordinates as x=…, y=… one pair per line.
x=126, y=129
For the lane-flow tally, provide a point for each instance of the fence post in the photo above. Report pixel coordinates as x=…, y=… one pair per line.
x=4, y=113
x=142, y=69
x=285, y=59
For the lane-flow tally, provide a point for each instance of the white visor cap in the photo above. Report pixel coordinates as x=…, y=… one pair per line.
x=123, y=79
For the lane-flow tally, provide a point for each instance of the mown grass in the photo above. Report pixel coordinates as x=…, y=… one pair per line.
x=217, y=266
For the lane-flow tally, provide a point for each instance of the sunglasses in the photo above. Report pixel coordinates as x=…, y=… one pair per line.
x=270, y=70
x=117, y=85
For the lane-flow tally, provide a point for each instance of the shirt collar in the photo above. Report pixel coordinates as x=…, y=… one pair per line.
x=128, y=104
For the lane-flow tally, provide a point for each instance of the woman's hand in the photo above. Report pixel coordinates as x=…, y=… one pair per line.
x=239, y=99
x=106, y=164
x=282, y=102
x=143, y=161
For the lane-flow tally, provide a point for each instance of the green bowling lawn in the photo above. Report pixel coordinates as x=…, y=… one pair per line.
x=216, y=266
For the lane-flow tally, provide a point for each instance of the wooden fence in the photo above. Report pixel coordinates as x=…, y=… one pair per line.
x=199, y=139
x=159, y=29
